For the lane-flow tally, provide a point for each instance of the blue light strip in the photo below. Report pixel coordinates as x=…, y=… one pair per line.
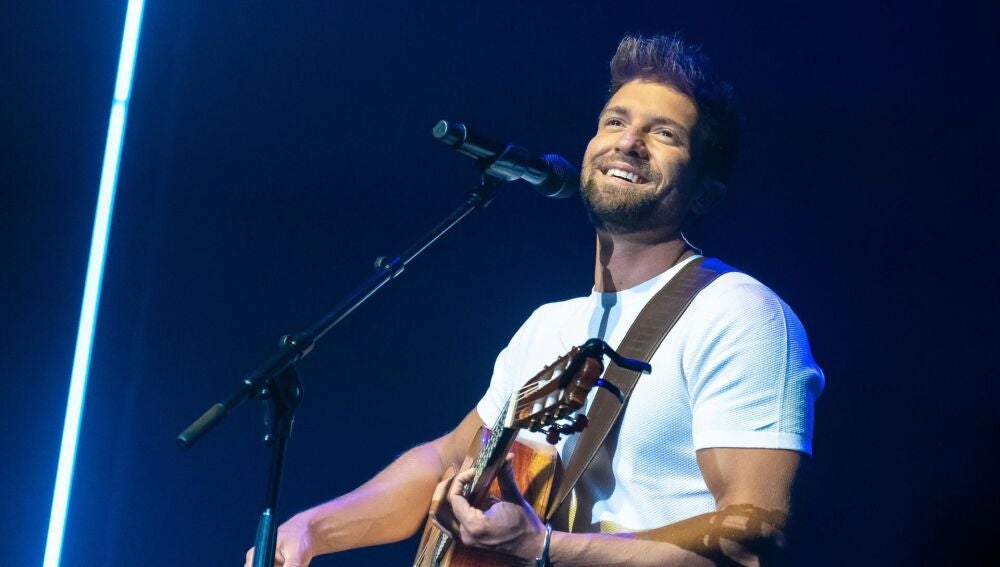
x=92, y=287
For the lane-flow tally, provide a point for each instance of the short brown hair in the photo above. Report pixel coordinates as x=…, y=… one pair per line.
x=670, y=60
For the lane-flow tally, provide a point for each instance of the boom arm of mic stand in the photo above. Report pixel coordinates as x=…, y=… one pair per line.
x=295, y=347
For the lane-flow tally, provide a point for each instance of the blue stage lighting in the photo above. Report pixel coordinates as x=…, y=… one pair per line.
x=92, y=285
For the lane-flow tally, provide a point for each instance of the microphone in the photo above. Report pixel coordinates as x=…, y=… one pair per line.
x=551, y=175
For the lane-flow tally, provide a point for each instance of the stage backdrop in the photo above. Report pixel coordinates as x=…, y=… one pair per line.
x=274, y=150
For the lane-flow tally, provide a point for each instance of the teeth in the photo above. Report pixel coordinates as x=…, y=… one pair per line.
x=628, y=176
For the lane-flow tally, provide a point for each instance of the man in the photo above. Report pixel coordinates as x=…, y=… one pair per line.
x=704, y=459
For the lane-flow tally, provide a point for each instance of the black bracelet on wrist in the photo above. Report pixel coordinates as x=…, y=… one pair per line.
x=543, y=559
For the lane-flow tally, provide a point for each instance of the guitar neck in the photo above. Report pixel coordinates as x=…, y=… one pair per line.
x=493, y=450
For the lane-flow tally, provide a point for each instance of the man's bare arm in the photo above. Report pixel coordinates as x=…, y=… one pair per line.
x=752, y=488
x=389, y=507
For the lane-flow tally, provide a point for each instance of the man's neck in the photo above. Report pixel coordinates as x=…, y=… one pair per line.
x=626, y=260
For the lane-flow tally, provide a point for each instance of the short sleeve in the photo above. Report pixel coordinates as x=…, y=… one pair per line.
x=501, y=385
x=507, y=370
x=750, y=373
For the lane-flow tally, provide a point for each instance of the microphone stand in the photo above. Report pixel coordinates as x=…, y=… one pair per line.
x=277, y=382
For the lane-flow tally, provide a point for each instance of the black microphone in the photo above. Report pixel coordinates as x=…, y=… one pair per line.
x=551, y=175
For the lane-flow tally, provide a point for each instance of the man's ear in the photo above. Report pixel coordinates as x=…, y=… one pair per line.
x=710, y=194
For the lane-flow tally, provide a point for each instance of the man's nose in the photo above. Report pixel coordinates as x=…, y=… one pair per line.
x=631, y=142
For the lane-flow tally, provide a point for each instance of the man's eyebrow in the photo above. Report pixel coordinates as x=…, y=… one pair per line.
x=623, y=111
x=614, y=110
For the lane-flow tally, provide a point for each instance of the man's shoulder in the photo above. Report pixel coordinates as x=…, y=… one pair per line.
x=549, y=321
x=738, y=285
x=738, y=296
x=738, y=307
x=559, y=310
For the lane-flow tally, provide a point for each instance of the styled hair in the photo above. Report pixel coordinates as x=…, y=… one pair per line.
x=668, y=59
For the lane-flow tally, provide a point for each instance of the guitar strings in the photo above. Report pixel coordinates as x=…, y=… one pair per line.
x=479, y=464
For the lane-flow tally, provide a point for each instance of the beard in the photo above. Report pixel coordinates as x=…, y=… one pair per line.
x=617, y=209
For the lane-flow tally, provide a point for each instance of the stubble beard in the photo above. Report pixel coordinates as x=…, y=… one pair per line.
x=619, y=210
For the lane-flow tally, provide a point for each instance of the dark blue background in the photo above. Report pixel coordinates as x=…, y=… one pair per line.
x=274, y=150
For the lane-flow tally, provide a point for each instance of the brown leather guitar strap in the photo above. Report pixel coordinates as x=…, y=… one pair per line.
x=640, y=342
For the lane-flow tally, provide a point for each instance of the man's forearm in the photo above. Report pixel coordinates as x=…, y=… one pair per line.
x=603, y=550
x=389, y=507
x=735, y=535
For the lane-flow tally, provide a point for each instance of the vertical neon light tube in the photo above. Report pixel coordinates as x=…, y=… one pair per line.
x=92, y=285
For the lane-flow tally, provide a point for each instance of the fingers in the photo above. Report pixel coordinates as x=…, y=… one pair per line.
x=441, y=490
x=250, y=556
x=461, y=508
x=293, y=553
x=461, y=479
x=283, y=557
x=441, y=512
x=508, y=485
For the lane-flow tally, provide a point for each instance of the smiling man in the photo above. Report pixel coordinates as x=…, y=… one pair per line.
x=640, y=159
x=702, y=463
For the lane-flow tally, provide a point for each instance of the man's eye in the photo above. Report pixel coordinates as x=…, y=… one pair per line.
x=667, y=134
x=614, y=122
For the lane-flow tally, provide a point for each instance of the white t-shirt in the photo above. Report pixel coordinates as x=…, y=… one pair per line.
x=735, y=371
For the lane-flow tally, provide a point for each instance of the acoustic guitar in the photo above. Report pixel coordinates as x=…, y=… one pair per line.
x=545, y=403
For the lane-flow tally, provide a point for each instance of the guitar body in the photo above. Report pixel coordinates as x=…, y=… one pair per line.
x=535, y=468
x=545, y=403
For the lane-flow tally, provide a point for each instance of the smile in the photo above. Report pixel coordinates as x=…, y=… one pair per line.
x=624, y=175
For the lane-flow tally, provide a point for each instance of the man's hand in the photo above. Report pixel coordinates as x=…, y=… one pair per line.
x=294, y=545
x=510, y=526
